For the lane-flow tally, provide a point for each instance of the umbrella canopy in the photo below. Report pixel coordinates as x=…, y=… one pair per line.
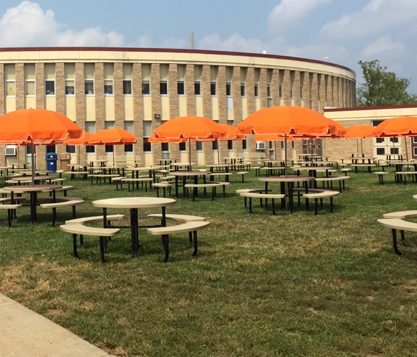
x=36, y=126
x=112, y=137
x=80, y=141
x=399, y=126
x=189, y=128
x=232, y=133
x=360, y=131
x=396, y=127
x=286, y=121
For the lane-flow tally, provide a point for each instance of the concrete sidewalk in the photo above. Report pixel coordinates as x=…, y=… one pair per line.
x=26, y=333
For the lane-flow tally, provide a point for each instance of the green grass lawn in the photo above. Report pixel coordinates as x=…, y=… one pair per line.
x=262, y=285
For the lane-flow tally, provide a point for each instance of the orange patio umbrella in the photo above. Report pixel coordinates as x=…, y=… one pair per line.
x=397, y=127
x=232, y=134
x=360, y=132
x=36, y=127
x=189, y=128
x=112, y=137
x=285, y=121
x=80, y=141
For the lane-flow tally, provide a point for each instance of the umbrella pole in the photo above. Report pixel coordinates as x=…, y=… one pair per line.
x=362, y=147
x=189, y=152
x=406, y=151
x=113, y=156
x=218, y=152
x=285, y=150
x=32, y=146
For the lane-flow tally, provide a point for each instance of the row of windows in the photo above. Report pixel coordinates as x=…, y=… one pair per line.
x=89, y=86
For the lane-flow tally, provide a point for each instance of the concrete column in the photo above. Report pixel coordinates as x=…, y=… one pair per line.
x=40, y=85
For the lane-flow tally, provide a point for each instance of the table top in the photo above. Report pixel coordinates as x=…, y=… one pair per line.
x=179, y=164
x=289, y=178
x=218, y=165
x=29, y=188
x=134, y=202
x=189, y=173
x=146, y=168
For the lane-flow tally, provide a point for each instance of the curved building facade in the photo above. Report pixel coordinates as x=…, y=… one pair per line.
x=138, y=89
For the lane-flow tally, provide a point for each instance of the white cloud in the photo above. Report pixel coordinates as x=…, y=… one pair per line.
x=383, y=45
x=28, y=25
x=376, y=17
x=289, y=11
x=237, y=43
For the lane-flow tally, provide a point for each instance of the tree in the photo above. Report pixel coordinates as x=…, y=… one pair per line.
x=382, y=88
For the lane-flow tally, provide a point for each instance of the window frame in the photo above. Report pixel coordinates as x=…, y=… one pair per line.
x=51, y=92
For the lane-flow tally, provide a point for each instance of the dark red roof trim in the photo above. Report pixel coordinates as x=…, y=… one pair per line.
x=369, y=108
x=132, y=49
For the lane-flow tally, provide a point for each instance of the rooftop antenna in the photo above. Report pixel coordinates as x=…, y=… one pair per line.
x=191, y=40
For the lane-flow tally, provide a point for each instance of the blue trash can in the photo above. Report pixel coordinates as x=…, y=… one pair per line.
x=51, y=160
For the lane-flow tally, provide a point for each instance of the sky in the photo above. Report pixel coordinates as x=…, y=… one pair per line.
x=343, y=32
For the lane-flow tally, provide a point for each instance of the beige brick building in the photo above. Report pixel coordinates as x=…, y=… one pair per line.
x=138, y=89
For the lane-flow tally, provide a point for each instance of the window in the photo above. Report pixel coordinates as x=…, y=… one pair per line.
x=49, y=71
x=10, y=88
x=69, y=87
x=183, y=146
x=394, y=151
x=393, y=140
x=215, y=145
x=199, y=146
x=146, y=77
x=180, y=88
x=242, y=89
x=108, y=87
x=198, y=70
x=128, y=126
x=89, y=86
x=230, y=144
x=146, y=90
x=89, y=78
x=30, y=77
x=70, y=149
x=213, y=88
x=268, y=91
x=147, y=132
x=228, y=89
x=163, y=88
x=127, y=86
x=213, y=79
x=256, y=90
x=108, y=78
x=50, y=148
x=197, y=88
x=30, y=89
x=10, y=77
x=380, y=151
x=50, y=87
x=244, y=144
x=165, y=147
x=108, y=148
x=90, y=127
x=280, y=90
x=127, y=78
x=69, y=75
